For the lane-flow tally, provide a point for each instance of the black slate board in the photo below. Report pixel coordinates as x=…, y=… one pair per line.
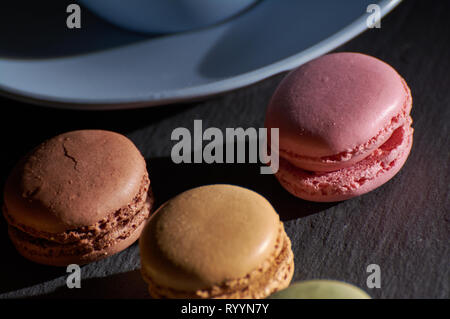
x=403, y=226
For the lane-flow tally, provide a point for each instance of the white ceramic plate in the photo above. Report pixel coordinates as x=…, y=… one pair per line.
x=103, y=67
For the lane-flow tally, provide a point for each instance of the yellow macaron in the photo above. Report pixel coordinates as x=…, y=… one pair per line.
x=216, y=241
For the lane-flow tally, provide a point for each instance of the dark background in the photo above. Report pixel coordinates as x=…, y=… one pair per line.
x=403, y=226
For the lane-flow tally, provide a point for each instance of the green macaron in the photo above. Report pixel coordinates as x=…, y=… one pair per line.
x=321, y=289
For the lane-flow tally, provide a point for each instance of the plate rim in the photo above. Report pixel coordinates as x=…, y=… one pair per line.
x=202, y=91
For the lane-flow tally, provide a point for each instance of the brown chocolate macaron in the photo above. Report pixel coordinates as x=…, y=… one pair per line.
x=78, y=197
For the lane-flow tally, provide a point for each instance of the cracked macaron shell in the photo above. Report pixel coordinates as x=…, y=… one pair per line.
x=208, y=235
x=335, y=110
x=74, y=179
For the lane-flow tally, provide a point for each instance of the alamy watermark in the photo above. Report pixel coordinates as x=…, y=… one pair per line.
x=73, y=20
x=250, y=145
x=74, y=279
x=374, y=19
x=374, y=279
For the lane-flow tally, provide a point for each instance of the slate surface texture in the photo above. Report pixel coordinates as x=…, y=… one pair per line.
x=403, y=226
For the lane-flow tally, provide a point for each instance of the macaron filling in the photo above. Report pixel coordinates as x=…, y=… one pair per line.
x=350, y=181
x=85, y=240
x=275, y=271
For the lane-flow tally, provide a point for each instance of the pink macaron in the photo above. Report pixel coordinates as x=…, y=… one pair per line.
x=344, y=126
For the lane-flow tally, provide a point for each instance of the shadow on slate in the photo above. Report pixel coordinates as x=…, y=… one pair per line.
x=25, y=273
x=37, y=124
x=127, y=285
x=38, y=30
x=169, y=179
x=33, y=124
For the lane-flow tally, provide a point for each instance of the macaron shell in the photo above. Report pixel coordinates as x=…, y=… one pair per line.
x=57, y=256
x=321, y=289
x=208, y=235
x=74, y=179
x=346, y=159
x=349, y=182
x=335, y=104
